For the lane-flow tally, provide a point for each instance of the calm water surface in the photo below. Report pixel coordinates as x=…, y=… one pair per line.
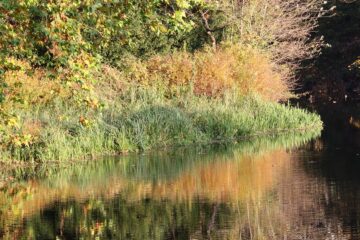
x=288, y=187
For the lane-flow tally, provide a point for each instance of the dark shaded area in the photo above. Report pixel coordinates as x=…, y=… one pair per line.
x=335, y=158
x=330, y=79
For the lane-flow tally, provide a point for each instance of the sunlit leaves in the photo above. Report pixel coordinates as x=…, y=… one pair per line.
x=70, y=38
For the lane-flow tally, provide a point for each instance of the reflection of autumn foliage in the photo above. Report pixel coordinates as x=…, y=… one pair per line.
x=226, y=192
x=263, y=196
x=223, y=181
x=219, y=181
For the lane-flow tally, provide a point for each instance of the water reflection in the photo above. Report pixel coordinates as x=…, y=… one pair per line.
x=337, y=166
x=258, y=189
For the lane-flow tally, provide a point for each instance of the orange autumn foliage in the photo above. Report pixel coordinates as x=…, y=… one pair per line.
x=213, y=72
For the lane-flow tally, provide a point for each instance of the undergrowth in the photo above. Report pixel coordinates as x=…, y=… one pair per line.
x=88, y=78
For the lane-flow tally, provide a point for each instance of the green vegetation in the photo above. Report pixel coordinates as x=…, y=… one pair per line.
x=157, y=164
x=145, y=119
x=83, y=78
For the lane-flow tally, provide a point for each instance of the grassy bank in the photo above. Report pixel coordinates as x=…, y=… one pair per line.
x=167, y=100
x=144, y=118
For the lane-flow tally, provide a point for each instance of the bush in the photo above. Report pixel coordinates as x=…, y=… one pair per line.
x=214, y=72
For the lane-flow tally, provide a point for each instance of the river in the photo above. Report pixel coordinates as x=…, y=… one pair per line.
x=284, y=187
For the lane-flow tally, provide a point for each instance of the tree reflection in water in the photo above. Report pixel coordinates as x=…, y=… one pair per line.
x=255, y=190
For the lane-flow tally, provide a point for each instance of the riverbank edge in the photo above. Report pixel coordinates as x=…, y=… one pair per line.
x=152, y=121
x=314, y=130
x=8, y=167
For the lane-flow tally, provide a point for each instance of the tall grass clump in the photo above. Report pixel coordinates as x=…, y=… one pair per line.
x=142, y=118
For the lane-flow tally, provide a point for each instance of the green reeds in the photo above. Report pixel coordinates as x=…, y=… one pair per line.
x=145, y=118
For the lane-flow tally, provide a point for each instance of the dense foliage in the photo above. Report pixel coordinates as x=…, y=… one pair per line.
x=52, y=33
x=53, y=55
x=76, y=35
x=67, y=39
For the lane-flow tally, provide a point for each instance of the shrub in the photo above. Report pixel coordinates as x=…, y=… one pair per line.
x=26, y=87
x=214, y=72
